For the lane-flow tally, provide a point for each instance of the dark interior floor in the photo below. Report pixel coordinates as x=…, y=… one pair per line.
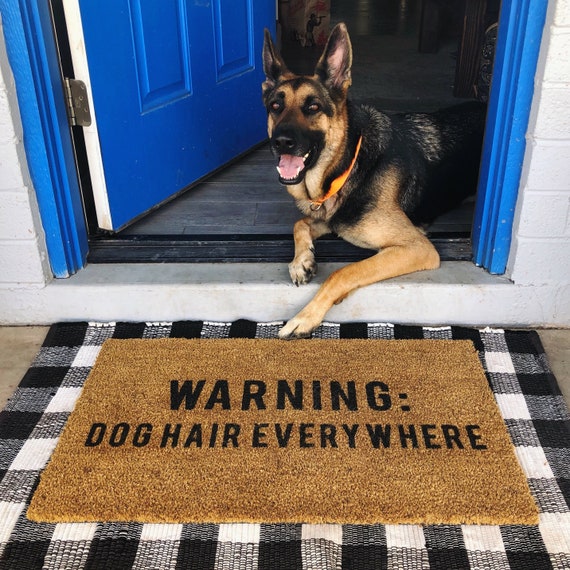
x=247, y=199
x=388, y=72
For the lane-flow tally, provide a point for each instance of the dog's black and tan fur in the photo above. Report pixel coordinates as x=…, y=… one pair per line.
x=410, y=168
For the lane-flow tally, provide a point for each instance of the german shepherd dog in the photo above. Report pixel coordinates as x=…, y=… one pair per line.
x=371, y=178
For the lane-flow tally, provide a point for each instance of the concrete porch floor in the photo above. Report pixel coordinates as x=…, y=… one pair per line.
x=19, y=345
x=458, y=293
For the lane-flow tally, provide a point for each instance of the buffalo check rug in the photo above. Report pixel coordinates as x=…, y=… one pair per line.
x=526, y=392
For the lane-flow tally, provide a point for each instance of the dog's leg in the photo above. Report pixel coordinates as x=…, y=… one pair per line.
x=390, y=262
x=304, y=267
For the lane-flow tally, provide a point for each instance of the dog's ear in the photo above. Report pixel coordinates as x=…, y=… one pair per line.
x=333, y=68
x=273, y=65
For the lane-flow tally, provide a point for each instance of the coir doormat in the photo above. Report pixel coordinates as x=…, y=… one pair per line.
x=261, y=430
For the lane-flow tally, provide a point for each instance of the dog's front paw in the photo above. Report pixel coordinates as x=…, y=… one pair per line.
x=295, y=329
x=301, y=325
x=303, y=268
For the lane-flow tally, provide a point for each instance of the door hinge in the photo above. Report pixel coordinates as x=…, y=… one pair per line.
x=77, y=102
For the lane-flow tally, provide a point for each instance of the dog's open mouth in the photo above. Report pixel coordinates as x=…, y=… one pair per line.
x=292, y=168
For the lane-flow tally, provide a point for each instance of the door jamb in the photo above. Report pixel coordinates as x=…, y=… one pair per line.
x=521, y=26
x=32, y=53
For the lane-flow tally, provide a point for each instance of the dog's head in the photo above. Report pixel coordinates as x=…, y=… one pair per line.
x=306, y=113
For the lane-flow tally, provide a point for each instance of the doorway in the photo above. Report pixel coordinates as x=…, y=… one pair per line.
x=242, y=214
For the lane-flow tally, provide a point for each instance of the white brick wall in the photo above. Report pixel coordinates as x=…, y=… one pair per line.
x=562, y=13
x=541, y=245
x=23, y=258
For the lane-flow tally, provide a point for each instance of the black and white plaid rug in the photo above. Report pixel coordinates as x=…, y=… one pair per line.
x=526, y=392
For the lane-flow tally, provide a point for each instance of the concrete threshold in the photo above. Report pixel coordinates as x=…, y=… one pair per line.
x=457, y=293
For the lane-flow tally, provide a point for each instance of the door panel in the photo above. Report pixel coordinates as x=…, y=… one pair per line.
x=161, y=52
x=233, y=38
x=176, y=93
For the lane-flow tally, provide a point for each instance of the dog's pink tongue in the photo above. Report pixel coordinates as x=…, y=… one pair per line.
x=290, y=166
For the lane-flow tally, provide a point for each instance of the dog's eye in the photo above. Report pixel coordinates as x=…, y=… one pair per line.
x=313, y=108
x=276, y=106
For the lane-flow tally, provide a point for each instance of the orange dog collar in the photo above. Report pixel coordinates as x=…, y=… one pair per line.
x=337, y=183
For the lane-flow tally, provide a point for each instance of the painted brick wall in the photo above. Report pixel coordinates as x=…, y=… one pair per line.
x=541, y=247
x=23, y=259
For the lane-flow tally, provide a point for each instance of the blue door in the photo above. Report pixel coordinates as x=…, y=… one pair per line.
x=176, y=88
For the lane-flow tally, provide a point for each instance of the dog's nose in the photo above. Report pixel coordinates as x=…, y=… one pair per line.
x=284, y=143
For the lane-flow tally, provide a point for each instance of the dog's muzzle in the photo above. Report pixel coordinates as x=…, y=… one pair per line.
x=295, y=153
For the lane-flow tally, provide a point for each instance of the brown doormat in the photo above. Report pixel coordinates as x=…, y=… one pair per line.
x=318, y=431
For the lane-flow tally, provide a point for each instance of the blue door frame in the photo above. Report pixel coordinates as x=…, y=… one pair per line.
x=520, y=31
x=32, y=54
x=47, y=140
